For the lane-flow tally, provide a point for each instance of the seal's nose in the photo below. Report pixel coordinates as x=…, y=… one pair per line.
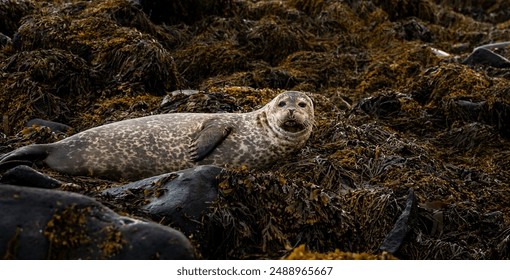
x=291, y=111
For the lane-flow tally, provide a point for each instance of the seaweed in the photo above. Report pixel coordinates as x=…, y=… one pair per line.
x=67, y=230
x=301, y=253
x=395, y=110
x=272, y=214
x=11, y=13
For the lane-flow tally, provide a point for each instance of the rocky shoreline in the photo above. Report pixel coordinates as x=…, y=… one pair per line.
x=405, y=102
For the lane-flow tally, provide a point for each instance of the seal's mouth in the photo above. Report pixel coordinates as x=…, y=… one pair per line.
x=293, y=126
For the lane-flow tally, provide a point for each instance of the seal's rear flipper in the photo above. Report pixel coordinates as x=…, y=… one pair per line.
x=24, y=156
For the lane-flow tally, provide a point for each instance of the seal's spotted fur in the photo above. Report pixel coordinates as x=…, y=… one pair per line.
x=152, y=145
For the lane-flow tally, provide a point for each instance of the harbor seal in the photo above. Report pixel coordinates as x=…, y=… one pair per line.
x=142, y=147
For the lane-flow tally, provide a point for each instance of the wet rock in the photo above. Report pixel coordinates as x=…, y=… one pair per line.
x=50, y=224
x=486, y=57
x=396, y=237
x=178, y=197
x=53, y=126
x=25, y=176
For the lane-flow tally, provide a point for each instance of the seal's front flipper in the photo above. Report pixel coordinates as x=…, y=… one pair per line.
x=24, y=156
x=208, y=138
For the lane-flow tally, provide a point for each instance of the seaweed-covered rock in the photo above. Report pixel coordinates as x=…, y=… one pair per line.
x=266, y=214
x=47, y=83
x=413, y=30
x=272, y=41
x=481, y=10
x=398, y=9
x=11, y=13
x=454, y=93
x=199, y=102
x=124, y=55
x=69, y=56
x=189, y=11
x=50, y=224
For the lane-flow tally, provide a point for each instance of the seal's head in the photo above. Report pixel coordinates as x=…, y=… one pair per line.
x=291, y=112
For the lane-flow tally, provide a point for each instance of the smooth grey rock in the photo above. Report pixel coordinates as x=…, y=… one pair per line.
x=486, y=57
x=23, y=175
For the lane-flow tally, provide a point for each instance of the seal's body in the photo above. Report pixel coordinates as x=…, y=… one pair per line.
x=153, y=145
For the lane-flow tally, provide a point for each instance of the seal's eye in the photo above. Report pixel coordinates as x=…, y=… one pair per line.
x=282, y=104
x=302, y=104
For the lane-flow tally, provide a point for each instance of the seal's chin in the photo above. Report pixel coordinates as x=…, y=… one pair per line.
x=292, y=126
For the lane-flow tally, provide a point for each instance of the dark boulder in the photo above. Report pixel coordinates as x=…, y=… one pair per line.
x=486, y=57
x=23, y=175
x=50, y=224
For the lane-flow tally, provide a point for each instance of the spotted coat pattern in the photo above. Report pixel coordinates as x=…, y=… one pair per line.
x=152, y=145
